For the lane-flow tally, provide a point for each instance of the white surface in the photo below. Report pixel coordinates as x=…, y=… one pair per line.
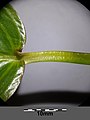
x=55, y=25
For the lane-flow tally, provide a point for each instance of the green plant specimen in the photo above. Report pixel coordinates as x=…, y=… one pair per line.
x=12, y=60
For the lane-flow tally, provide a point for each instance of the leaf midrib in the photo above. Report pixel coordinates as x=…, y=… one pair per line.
x=8, y=57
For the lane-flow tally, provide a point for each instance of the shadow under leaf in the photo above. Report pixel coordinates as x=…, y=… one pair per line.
x=55, y=97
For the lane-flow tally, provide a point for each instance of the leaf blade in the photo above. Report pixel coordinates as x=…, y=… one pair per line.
x=13, y=28
x=12, y=39
x=10, y=80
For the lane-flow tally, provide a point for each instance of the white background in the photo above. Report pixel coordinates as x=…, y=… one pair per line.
x=55, y=25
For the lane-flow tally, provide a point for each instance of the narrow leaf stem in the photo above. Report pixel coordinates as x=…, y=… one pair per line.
x=56, y=56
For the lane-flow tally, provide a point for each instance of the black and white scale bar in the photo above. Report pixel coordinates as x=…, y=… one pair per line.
x=46, y=110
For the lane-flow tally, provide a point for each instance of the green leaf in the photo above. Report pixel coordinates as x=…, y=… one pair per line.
x=12, y=40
